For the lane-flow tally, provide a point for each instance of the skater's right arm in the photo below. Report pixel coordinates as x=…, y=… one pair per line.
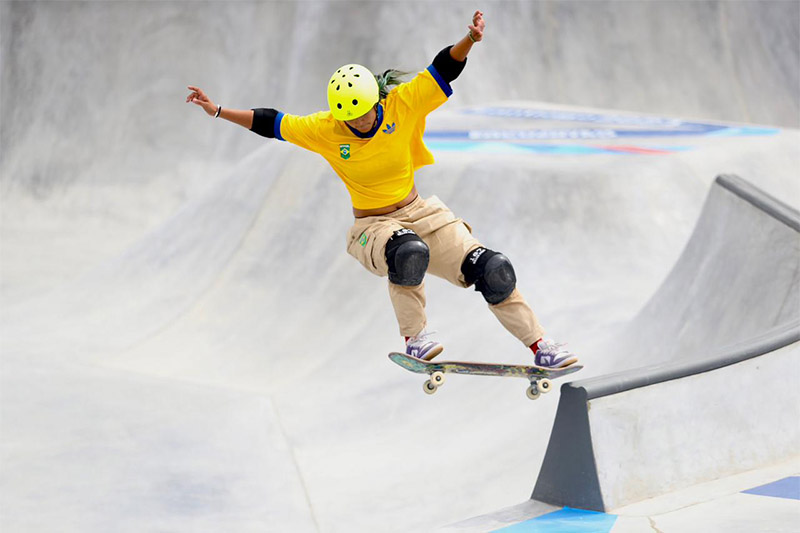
x=260, y=121
x=302, y=131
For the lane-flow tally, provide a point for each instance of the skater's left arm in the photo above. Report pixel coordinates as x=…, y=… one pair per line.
x=460, y=50
x=451, y=60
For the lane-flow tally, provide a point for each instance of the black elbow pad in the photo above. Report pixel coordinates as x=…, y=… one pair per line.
x=264, y=122
x=447, y=67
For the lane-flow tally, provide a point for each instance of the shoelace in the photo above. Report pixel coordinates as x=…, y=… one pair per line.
x=421, y=337
x=553, y=348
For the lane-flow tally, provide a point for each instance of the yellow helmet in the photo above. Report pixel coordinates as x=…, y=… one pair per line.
x=352, y=91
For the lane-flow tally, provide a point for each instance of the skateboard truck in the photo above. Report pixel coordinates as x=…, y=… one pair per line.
x=536, y=388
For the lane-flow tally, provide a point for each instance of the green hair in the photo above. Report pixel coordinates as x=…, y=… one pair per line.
x=389, y=79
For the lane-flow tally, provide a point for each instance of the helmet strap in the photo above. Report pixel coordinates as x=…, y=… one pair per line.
x=374, y=122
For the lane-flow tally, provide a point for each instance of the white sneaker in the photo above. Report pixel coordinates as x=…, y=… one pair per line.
x=423, y=347
x=550, y=354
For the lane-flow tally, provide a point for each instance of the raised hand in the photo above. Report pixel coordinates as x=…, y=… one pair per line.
x=197, y=96
x=477, y=26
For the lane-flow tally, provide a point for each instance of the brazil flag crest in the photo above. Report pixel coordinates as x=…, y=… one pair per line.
x=344, y=151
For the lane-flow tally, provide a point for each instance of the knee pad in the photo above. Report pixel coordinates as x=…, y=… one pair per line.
x=407, y=256
x=491, y=272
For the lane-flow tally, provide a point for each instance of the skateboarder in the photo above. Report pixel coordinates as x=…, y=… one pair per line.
x=372, y=137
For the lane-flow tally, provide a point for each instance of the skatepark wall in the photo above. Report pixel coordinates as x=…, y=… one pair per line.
x=736, y=278
x=127, y=87
x=709, y=413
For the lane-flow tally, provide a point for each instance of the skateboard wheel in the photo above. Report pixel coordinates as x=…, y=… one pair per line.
x=437, y=378
x=429, y=387
x=545, y=385
x=533, y=391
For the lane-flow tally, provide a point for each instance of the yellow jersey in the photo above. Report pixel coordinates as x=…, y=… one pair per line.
x=376, y=167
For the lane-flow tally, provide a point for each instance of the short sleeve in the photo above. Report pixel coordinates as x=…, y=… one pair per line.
x=303, y=131
x=427, y=91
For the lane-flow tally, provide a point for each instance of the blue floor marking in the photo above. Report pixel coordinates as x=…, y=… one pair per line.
x=736, y=132
x=560, y=115
x=565, y=521
x=557, y=149
x=585, y=134
x=573, y=140
x=504, y=148
x=785, y=488
x=576, y=116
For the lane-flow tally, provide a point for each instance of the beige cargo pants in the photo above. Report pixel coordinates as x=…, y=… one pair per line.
x=450, y=240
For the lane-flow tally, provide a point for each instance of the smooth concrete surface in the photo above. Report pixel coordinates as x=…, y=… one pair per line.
x=679, y=447
x=722, y=505
x=502, y=518
x=713, y=490
x=185, y=342
x=737, y=278
x=614, y=434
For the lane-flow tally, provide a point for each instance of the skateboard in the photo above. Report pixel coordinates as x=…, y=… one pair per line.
x=538, y=376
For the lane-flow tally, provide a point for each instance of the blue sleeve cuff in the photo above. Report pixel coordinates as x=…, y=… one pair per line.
x=278, y=119
x=441, y=81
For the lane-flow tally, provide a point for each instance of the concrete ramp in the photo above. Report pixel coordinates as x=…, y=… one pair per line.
x=737, y=278
x=712, y=412
x=186, y=346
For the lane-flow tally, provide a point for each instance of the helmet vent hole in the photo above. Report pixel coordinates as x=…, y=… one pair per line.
x=349, y=84
x=337, y=87
x=339, y=106
x=357, y=75
x=355, y=102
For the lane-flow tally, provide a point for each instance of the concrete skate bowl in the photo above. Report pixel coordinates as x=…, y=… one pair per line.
x=185, y=344
x=725, y=329
x=217, y=374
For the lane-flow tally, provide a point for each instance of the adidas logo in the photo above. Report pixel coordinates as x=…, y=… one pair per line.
x=390, y=128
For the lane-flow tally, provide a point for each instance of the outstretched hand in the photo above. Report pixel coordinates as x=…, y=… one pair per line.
x=477, y=26
x=198, y=97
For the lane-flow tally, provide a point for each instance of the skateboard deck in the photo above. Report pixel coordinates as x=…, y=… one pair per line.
x=538, y=377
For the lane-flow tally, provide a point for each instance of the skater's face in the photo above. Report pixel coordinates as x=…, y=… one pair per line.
x=365, y=122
